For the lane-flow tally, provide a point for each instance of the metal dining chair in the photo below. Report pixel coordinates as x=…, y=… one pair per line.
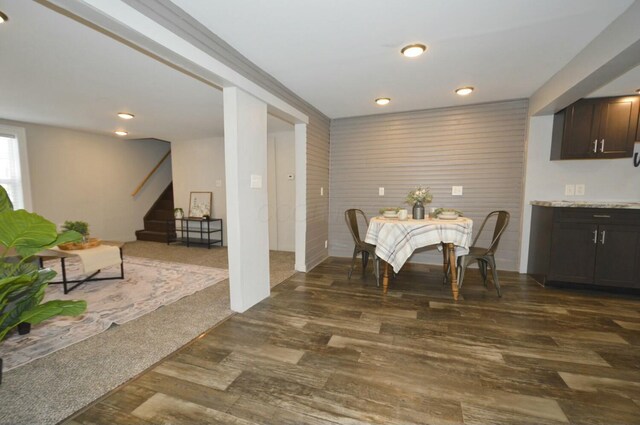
x=361, y=247
x=485, y=256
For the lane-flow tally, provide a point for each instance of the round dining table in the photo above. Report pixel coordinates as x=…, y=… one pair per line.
x=396, y=240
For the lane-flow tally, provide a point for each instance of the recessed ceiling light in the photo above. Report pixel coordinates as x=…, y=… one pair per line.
x=463, y=91
x=125, y=115
x=3, y=18
x=383, y=101
x=413, y=50
x=121, y=133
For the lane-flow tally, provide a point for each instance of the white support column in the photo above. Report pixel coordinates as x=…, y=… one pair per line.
x=245, y=145
x=301, y=197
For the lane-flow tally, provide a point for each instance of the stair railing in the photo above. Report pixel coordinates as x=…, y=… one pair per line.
x=135, y=192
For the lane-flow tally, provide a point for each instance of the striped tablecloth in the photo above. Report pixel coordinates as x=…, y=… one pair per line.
x=395, y=240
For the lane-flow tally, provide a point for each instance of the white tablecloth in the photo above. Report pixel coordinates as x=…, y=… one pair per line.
x=92, y=259
x=396, y=240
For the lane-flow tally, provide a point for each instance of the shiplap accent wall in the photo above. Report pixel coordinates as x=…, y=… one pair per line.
x=479, y=147
x=175, y=19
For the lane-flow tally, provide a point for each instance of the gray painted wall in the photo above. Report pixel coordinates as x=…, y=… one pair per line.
x=76, y=175
x=479, y=147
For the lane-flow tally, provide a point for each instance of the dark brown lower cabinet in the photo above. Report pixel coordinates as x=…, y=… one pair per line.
x=588, y=246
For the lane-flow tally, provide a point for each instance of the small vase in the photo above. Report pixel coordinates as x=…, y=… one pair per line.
x=418, y=211
x=24, y=328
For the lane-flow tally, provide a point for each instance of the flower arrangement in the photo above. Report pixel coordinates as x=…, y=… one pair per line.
x=419, y=194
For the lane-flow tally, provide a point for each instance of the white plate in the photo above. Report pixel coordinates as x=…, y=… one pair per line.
x=447, y=216
x=390, y=215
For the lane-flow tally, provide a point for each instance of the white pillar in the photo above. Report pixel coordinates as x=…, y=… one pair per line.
x=245, y=145
x=301, y=196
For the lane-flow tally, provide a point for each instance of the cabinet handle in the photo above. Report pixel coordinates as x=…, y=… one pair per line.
x=595, y=236
x=595, y=146
x=602, y=145
x=602, y=237
x=601, y=216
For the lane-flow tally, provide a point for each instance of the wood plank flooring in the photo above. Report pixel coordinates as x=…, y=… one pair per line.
x=327, y=350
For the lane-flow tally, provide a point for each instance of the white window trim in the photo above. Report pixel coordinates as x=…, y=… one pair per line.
x=25, y=177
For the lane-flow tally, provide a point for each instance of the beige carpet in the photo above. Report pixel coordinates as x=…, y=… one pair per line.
x=50, y=389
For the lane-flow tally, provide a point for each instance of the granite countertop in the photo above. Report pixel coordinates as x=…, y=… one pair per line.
x=588, y=204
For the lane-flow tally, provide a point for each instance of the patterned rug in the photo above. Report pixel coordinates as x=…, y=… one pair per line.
x=147, y=286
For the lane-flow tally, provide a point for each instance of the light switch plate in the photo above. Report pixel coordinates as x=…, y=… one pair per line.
x=569, y=189
x=322, y=191
x=381, y=191
x=256, y=181
x=579, y=190
x=456, y=190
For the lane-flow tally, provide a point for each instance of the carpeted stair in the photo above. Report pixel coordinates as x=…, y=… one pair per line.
x=155, y=221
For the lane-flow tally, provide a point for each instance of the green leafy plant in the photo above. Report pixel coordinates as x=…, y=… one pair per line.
x=22, y=283
x=392, y=209
x=447, y=210
x=81, y=227
x=419, y=194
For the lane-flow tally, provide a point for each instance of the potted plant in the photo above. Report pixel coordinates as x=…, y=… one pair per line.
x=22, y=282
x=81, y=227
x=178, y=213
x=418, y=197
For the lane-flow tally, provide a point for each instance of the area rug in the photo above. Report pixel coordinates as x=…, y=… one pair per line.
x=148, y=285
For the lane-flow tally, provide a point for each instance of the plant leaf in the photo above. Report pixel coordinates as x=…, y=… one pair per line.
x=5, y=202
x=53, y=308
x=68, y=236
x=27, y=232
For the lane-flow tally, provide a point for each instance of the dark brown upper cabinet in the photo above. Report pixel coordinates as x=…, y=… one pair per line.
x=596, y=128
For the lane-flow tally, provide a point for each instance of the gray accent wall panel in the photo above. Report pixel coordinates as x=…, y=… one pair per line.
x=479, y=147
x=175, y=19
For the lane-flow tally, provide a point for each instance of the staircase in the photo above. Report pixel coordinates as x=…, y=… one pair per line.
x=155, y=221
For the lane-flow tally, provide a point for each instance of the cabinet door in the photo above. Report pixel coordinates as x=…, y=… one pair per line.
x=580, y=131
x=573, y=252
x=617, y=127
x=618, y=256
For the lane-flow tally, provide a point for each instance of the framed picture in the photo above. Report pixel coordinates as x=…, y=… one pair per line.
x=200, y=204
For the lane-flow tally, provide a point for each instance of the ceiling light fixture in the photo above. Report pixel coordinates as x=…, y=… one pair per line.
x=383, y=101
x=413, y=50
x=3, y=18
x=125, y=115
x=463, y=91
x=121, y=133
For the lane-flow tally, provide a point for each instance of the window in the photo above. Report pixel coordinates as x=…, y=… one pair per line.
x=14, y=176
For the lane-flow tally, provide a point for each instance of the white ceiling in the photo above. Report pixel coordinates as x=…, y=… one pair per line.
x=340, y=55
x=57, y=71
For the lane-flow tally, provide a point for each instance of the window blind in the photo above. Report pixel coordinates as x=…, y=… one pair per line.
x=10, y=176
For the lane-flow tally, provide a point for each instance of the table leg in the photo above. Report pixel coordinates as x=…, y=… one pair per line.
x=445, y=262
x=385, y=278
x=452, y=263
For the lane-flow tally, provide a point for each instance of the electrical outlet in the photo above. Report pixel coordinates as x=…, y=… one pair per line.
x=569, y=189
x=456, y=190
x=579, y=190
x=381, y=191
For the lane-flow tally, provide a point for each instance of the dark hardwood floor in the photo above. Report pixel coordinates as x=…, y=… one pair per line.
x=323, y=349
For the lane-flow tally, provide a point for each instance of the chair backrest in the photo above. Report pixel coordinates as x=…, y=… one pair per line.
x=351, y=216
x=502, y=220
